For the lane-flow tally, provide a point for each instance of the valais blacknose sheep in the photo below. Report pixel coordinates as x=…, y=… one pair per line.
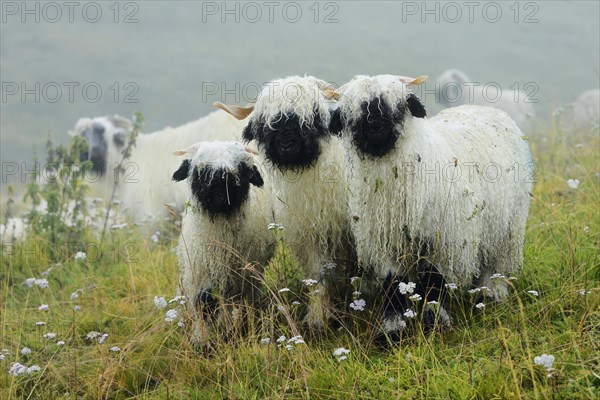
x=584, y=113
x=432, y=200
x=145, y=186
x=289, y=123
x=455, y=85
x=224, y=229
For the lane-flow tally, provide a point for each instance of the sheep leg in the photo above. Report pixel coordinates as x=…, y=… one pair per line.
x=203, y=308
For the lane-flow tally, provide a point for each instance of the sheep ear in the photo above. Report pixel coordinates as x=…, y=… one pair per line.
x=335, y=123
x=183, y=171
x=417, y=109
x=248, y=133
x=255, y=177
x=236, y=111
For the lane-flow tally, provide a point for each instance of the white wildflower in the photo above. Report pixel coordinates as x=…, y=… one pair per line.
x=358, y=305
x=93, y=335
x=281, y=339
x=284, y=290
x=341, y=353
x=405, y=288
x=60, y=343
x=296, y=340
x=47, y=272
x=2, y=357
x=273, y=225
x=451, y=286
x=25, y=351
x=533, y=292
x=497, y=276
x=432, y=303
x=170, y=315
x=115, y=349
x=584, y=292
x=80, y=255
x=479, y=306
x=76, y=308
x=181, y=299
x=154, y=238
x=354, y=278
x=573, y=183
x=316, y=291
x=356, y=293
x=586, y=229
x=415, y=297
x=50, y=335
x=309, y=282
x=289, y=347
x=545, y=360
x=33, y=368
x=40, y=323
x=473, y=291
x=43, y=307
x=265, y=340
x=512, y=278
x=29, y=282
x=181, y=324
x=410, y=313
x=328, y=264
x=42, y=283
x=17, y=369
x=295, y=303
x=160, y=302
x=102, y=338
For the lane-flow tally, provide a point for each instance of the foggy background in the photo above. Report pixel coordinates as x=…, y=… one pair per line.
x=171, y=60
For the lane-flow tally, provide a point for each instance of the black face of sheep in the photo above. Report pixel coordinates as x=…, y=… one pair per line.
x=97, y=148
x=380, y=125
x=218, y=191
x=288, y=144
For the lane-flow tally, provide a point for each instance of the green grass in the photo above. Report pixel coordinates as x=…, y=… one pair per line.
x=487, y=354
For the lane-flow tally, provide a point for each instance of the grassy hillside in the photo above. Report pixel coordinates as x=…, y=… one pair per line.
x=489, y=353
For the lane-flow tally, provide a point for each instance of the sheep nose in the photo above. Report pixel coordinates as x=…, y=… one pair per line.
x=97, y=129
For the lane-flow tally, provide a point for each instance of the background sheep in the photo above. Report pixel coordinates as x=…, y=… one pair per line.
x=145, y=186
x=289, y=123
x=421, y=190
x=583, y=113
x=223, y=229
x=517, y=105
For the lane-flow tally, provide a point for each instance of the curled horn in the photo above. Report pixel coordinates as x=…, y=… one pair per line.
x=251, y=151
x=413, y=81
x=236, y=111
x=331, y=94
x=190, y=151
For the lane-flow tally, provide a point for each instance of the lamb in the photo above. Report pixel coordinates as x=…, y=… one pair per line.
x=144, y=188
x=518, y=105
x=224, y=228
x=434, y=200
x=584, y=113
x=289, y=123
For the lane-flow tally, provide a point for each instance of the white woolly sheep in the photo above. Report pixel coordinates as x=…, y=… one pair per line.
x=450, y=193
x=289, y=123
x=12, y=230
x=145, y=187
x=223, y=229
x=584, y=113
x=517, y=104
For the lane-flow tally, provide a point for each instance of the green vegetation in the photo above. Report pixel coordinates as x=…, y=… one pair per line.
x=489, y=353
